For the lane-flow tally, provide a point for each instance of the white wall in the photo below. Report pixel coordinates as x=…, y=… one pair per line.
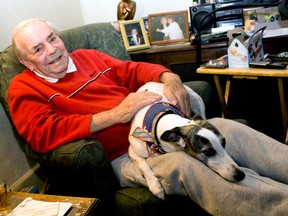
x=66, y=14
x=62, y=13
x=12, y=159
x=107, y=10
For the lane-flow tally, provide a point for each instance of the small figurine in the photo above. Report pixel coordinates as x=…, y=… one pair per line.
x=126, y=10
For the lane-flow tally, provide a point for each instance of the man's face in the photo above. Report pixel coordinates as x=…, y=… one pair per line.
x=43, y=50
x=134, y=31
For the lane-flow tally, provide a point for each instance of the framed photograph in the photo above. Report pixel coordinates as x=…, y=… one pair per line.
x=145, y=20
x=168, y=27
x=134, y=34
x=250, y=20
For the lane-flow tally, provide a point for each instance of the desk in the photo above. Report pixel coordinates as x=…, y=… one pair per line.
x=180, y=57
x=80, y=206
x=181, y=53
x=248, y=73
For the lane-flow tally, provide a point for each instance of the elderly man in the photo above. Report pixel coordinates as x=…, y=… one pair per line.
x=62, y=97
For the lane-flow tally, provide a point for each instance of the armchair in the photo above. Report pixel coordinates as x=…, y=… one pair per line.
x=85, y=162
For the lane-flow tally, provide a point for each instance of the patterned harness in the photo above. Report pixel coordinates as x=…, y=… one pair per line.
x=152, y=116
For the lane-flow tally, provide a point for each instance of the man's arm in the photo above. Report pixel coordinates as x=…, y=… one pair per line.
x=124, y=111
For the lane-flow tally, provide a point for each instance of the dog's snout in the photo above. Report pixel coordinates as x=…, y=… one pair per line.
x=239, y=175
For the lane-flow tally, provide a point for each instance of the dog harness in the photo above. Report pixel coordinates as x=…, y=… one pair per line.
x=148, y=133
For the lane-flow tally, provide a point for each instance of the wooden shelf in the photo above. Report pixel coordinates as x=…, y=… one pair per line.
x=179, y=53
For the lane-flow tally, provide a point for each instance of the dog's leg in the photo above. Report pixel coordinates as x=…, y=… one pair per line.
x=153, y=182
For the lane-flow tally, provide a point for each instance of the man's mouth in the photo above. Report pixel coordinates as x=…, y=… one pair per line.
x=56, y=60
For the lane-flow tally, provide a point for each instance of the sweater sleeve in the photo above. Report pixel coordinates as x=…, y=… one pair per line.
x=37, y=120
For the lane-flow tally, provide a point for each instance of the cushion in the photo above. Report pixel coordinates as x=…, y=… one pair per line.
x=137, y=201
x=100, y=36
x=9, y=67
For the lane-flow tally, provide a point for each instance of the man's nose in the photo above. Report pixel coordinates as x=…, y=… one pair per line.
x=51, y=49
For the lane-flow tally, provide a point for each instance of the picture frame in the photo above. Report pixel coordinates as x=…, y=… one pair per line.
x=134, y=41
x=250, y=20
x=168, y=27
x=146, y=25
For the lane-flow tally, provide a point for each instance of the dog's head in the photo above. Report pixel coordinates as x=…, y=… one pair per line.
x=204, y=142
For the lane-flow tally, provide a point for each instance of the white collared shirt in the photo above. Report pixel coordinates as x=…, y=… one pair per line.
x=71, y=68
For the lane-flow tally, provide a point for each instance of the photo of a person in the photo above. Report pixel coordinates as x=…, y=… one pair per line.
x=164, y=22
x=145, y=20
x=172, y=29
x=134, y=34
x=135, y=38
x=169, y=27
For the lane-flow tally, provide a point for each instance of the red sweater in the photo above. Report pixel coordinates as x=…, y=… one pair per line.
x=49, y=115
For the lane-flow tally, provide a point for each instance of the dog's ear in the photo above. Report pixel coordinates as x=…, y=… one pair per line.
x=173, y=135
x=197, y=118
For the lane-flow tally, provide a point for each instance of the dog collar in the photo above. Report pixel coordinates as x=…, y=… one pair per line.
x=148, y=133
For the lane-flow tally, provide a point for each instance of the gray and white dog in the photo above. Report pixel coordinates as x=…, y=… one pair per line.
x=161, y=127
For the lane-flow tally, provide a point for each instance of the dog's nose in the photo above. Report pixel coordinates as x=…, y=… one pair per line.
x=239, y=175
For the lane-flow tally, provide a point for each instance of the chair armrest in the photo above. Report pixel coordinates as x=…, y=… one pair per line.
x=208, y=95
x=80, y=168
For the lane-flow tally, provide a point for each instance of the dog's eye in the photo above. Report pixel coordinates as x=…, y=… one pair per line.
x=209, y=152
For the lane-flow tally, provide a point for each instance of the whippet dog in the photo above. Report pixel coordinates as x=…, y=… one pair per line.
x=161, y=127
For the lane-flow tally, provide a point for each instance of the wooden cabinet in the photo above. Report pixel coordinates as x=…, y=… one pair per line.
x=181, y=57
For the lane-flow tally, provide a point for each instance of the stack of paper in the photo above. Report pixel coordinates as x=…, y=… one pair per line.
x=30, y=207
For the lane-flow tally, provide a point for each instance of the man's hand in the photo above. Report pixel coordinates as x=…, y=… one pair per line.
x=124, y=111
x=132, y=103
x=175, y=92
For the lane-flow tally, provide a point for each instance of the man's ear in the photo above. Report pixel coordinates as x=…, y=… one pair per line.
x=26, y=63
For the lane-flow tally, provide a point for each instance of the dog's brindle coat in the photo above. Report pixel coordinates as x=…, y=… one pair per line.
x=170, y=131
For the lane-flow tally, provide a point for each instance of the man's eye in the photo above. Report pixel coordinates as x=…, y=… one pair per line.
x=38, y=49
x=53, y=38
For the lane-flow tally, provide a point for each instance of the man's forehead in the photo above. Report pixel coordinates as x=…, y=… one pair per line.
x=34, y=33
x=36, y=27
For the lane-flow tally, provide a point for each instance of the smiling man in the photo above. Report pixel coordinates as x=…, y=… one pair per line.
x=63, y=97
x=32, y=48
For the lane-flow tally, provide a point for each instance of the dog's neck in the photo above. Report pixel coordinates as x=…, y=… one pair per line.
x=152, y=117
x=157, y=109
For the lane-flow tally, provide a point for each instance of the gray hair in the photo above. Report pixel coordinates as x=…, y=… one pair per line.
x=22, y=25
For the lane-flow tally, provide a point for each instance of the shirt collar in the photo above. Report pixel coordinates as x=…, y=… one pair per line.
x=71, y=68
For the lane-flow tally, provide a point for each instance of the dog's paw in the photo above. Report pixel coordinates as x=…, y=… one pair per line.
x=156, y=188
x=160, y=195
